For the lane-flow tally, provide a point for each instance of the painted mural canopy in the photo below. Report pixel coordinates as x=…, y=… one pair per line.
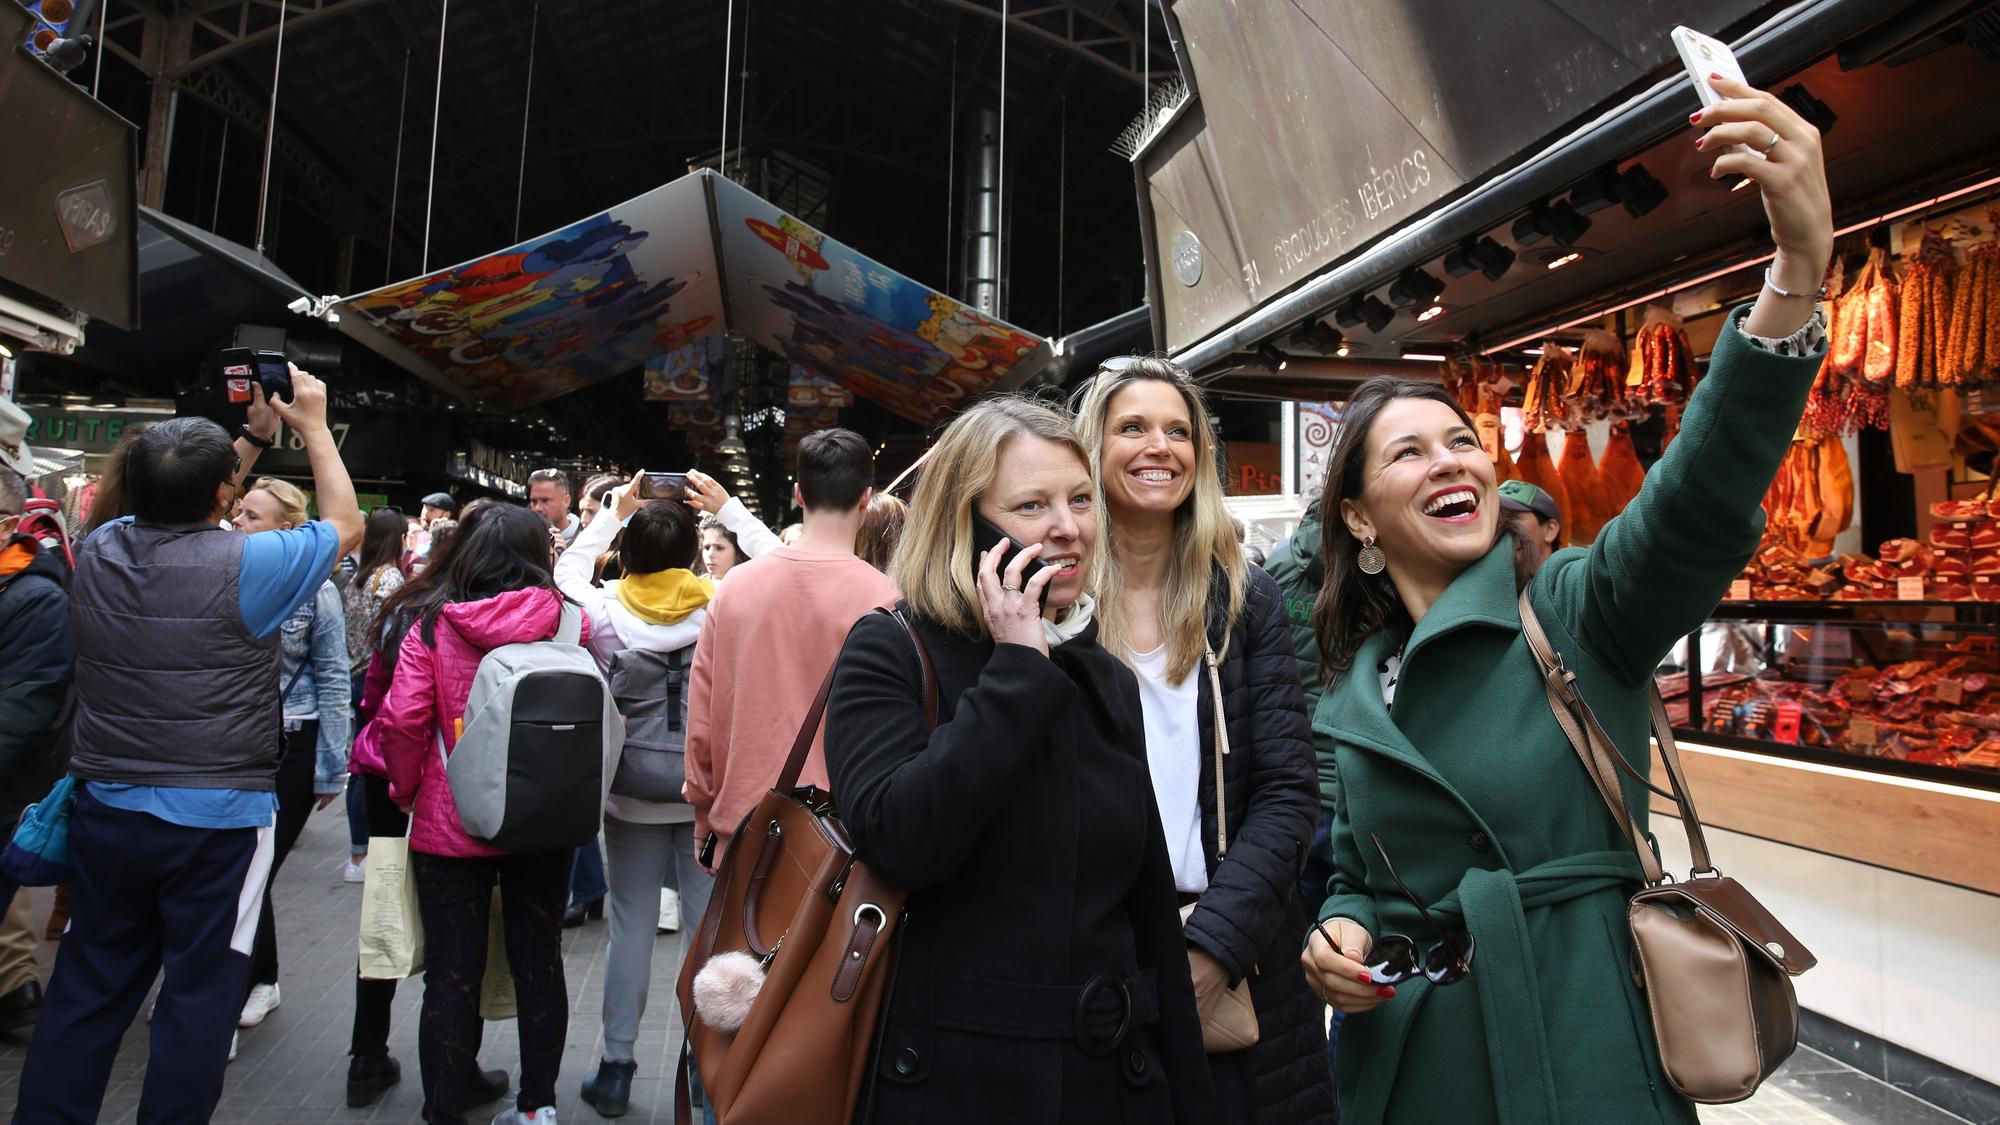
x=624, y=288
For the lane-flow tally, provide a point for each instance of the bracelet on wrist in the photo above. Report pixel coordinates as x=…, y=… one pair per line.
x=1783, y=292
x=243, y=432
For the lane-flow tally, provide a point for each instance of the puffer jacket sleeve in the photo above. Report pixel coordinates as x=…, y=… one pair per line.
x=1250, y=892
x=406, y=725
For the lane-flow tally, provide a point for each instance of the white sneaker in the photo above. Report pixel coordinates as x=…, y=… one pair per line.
x=263, y=1001
x=543, y=1116
x=670, y=910
x=354, y=872
x=233, y=1037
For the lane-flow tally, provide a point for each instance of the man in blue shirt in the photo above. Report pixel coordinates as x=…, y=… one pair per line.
x=176, y=734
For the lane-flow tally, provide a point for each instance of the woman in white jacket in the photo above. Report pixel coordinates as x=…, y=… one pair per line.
x=643, y=628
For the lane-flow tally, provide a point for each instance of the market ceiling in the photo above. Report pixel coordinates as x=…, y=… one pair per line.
x=625, y=95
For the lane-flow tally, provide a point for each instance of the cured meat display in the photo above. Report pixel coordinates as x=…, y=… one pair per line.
x=1852, y=391
x=1479, y=386
x=1538, y=468
x=1667, y=373
x=1923, y=314
x=1969, y=351
x=1597, y=383
x=1544, y=402
x=1586, y=514
x=1959, y=561
x=1619, y=473
x=1812, y=498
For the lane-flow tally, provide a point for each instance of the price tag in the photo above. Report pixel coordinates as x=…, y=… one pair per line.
x=1739, y=590
x=1860, y=688
x=1861, y=732
x=1909, y=589
x=1950, y=691
x=1785, y=724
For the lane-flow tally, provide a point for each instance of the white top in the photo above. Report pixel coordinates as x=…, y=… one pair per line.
x=1173, y=753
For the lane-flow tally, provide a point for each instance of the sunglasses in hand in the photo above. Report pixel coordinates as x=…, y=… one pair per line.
x=1394, y=958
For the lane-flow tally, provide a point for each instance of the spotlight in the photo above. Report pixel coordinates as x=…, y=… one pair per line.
x=1483, y=254
x=6, y=349
x=1415, y=287
x=1347, y=314
x=1317, y=337
x=1640, y=191
x=1343, y=349
x=1423, y=353
x=1563, y=260
x=1556, y=220
x=1595, y=192
x=1272, y=359
x=1376, y=313
x=1812, y=109
x=1430, y=314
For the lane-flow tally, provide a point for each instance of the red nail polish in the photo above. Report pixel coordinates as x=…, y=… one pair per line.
x=1364, y=978
x=1386, y=993
x=1714, y=76
x=1694, y=117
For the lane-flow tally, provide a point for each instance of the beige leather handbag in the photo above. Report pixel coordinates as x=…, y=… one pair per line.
x=1232, y=1026
x=1715, y=966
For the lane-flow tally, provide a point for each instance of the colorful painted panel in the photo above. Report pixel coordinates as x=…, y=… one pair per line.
x=691, y=374
x=593, y=300
x=853, y=320
x=809, y=390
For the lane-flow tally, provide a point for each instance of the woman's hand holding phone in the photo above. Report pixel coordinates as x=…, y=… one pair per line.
x=1012, y=608
x=626, y=501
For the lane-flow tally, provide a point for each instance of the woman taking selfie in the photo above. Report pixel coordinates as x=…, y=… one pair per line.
x=493, y=588
x=1187, y=600
x=1448, y=767
x=312, y=770
x=1042, y=976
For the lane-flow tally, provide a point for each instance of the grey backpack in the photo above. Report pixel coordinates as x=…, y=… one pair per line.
x=651, y=692
x=541, y=740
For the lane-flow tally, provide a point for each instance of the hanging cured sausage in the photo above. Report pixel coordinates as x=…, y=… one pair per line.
x=1543, y=404
x=1846, y=396
x=1598, y=381
x=1923, y=314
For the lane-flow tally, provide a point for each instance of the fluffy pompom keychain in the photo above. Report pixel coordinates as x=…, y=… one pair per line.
x=726, y=987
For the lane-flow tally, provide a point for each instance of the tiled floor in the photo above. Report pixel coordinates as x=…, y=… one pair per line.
x=292, y=1069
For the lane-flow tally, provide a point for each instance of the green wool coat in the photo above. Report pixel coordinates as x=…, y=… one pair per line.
x=1489, y=816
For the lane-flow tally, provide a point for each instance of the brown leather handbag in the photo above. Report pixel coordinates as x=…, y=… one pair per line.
x=1715, y=966
x=791, y=893
x=1232, y=1025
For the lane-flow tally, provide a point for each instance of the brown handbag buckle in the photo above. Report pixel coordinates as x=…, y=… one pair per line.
x=1098, y=1046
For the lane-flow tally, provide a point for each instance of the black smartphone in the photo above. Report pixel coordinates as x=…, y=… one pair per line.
x=661, y=486
x=706, y=856
x=240, y=365
x=984, y=536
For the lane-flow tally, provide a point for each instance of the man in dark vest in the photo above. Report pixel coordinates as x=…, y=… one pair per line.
x=176, y=737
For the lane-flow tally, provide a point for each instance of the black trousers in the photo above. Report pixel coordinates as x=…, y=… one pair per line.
x=296, y=766
x=374, y=998
x=146, y=894
x=455, y=897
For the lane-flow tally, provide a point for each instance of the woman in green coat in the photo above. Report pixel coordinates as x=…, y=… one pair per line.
x=1441, y=741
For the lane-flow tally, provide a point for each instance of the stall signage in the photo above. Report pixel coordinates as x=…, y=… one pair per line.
x=93, y=432
x=87, y=215
x=1256, y=468
x=376, y=443
x=1739, y=590
x=1909, y=589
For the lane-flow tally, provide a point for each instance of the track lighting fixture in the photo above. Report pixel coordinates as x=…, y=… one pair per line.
x=1482, y=254
x=1273, y=360
x=1317, y=337
x=1557, y=220
x=1812, y=109
x=1415, y=287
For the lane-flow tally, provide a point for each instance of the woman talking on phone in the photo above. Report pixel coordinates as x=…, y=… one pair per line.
x=1042, y=976
x=1206, y=633
x=1456, y=795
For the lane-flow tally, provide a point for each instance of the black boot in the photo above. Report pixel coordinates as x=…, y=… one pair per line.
x=485, y=1086
x=609, y=1087
x=580, y=912
x=369, y=1077
x=21, y=1007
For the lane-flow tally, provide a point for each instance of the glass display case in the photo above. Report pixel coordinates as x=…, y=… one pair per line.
x=1903, y=687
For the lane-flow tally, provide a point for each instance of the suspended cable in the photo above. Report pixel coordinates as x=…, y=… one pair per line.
x=743, y=89
x=951, y=162
x=1146, y=53
x=396, y=176
x=103, y=14
x=527, y=104
x=728, y=42
x=271, y=125
x=221, y=161
x=1000, y=189
x=437, y=103
x=1062, y=207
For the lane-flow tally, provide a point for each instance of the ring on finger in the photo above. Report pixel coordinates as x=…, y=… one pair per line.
x=1773, y=143
x=1011, y=589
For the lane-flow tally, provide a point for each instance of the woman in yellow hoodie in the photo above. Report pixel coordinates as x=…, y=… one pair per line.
x=642, y=630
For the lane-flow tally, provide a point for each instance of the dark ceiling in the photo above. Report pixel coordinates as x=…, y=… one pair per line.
x=627, y=94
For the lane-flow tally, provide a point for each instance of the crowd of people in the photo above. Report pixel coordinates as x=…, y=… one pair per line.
x=1164, y=789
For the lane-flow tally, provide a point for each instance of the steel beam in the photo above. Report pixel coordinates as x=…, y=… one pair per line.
x=1103, y=40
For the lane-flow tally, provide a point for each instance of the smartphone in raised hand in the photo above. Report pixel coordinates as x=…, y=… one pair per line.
x=655, y=485
x=984, y=536
x=1704, y=55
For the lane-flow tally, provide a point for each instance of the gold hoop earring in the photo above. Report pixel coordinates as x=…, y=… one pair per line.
x=1370, y=560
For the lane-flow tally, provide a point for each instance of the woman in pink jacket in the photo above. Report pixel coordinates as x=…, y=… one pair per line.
x=495, y=589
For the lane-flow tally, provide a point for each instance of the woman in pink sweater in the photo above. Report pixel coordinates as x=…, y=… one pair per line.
x=496, y=589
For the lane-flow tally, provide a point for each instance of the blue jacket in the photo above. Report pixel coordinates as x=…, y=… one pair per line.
x=317, y=681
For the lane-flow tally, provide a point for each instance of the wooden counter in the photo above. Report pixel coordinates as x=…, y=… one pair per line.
x=1922, y=828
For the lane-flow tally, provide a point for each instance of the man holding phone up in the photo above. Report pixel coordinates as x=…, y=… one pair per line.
x=177, y=714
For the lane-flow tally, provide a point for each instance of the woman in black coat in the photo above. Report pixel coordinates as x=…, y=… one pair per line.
x=1042, y=976
x=1186, y=598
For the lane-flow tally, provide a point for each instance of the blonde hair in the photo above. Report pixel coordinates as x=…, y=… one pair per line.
x=291, y=501
x=933, y=562
x=1204, y=537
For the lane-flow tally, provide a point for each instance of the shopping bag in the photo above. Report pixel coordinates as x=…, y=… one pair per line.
x=392, y=931
x=496, y=988
x=38, y=853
